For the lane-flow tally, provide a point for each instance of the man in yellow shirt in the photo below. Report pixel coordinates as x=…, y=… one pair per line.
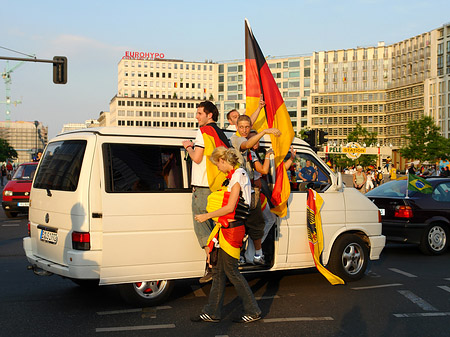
x=393, y=173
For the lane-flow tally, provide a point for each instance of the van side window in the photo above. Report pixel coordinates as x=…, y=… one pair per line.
x=306, y=172
x=61, y=165
x=142, y=168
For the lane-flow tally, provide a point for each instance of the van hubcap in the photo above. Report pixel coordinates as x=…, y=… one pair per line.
x=150, y=289
x=352, y=258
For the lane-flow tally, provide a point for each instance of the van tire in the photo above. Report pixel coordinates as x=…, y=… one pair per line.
x=148, y=293
x=10, y=214
x=349, y=257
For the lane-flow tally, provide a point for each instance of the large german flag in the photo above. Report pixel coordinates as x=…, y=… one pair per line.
x=213, y=137
x=259, y=81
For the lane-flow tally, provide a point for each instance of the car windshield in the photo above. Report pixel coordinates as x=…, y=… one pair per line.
x=394, y=188
x=25, y=172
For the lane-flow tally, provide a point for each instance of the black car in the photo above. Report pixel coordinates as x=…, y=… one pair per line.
x=415, y=217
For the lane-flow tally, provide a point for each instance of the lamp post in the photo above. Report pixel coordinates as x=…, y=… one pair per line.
x=36, y=124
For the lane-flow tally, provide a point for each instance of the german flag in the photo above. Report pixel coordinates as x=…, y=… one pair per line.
x=315, y=235
x=213, y=137
x=259, y=81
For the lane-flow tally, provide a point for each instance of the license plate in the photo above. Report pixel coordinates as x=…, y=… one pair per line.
x=50, y=237
x=382, y=212
x=23, y=204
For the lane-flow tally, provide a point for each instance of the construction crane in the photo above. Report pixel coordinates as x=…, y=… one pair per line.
x=7, y=78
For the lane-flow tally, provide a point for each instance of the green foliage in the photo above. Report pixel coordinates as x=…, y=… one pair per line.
x=362, y=136
x=6, y=151
x=424, y=141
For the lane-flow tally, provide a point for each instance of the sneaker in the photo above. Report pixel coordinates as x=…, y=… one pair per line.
x=241, y=260
x=207, y=277
x=202, y=317
x=259, y=259
x=247, y=318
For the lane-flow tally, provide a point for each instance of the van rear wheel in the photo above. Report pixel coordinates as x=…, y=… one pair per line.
x=146, y=293
x=349, y=257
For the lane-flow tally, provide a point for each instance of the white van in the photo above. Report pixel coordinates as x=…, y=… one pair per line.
x=113, y=206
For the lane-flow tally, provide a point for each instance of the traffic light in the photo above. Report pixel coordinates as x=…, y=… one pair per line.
x=60, y=70
x=310, y=137
x=322, y=139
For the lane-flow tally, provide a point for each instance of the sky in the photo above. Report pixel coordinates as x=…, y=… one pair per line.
x=94, y=35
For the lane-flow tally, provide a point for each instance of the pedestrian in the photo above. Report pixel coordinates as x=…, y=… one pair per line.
x=227, y=240
x=359, y=179
x=4, y=173
x=379, y=176
x=411, y=169
x=207, y=116
x=393, y=173
x=369, y=181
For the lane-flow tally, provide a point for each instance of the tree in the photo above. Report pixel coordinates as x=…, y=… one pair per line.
x=361, y=136
x=424, y=141
x=6, y=151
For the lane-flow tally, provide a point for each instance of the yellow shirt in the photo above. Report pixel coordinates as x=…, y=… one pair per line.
x=393, y=173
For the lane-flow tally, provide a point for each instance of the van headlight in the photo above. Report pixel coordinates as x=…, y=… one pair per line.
x=8, y=193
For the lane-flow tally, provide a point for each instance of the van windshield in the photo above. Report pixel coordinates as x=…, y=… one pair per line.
x=61, y=165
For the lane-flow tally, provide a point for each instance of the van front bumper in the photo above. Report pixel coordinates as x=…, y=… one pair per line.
x=377, y=244
x=82, y=264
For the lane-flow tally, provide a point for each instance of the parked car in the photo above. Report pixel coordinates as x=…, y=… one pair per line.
x=16, y=194
x=418, y=218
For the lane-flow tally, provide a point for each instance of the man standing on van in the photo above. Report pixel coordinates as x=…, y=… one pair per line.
x=207, y=116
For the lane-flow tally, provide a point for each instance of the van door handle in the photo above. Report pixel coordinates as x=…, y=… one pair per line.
x=97, y=215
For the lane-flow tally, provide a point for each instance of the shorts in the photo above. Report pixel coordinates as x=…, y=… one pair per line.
x=254, y=225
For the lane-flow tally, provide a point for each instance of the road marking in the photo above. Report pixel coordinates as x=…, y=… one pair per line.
x=198, y=292
x=417, y=300
x=17, y=225
x=445, y=288
x=423, y=314
x=296, y=319
x=127, y=311
x=447, y=279
x=395, y=270
x=378, y=286
x=266, y=297
x=138, y=327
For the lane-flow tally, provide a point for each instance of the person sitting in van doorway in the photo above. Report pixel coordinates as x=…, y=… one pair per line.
x=226, y=240
x=207, y=114
x=255, y=223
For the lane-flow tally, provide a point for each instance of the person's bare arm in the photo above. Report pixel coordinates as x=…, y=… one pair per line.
x=249, y=143
x=255, y=114
x=195, y=154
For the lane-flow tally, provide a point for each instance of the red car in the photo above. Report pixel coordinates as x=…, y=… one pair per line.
x=16, y=194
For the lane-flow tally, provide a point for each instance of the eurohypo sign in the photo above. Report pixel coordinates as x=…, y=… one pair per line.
x=136, y=55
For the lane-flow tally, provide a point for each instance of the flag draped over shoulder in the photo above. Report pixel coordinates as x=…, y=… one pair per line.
x=213, y=137
x=419, y=184
x=259, y=81
x=315, y=235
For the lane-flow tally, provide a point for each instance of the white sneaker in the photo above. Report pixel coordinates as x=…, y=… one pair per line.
x=241, y=260
x=259, y=259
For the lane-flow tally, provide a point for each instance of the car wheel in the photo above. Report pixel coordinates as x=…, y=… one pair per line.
x=349, y=257
x=147, y=293
x=10, y=214
x=434, y=240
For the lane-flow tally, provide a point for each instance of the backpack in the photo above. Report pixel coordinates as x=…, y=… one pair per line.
x=379, y=176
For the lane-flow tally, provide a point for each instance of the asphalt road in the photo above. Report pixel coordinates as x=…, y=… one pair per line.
x=404, y=294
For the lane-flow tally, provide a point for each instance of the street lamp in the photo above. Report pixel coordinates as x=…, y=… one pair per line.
x=36, y=124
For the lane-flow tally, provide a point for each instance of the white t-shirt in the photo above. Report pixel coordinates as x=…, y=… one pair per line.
x=199, y=176
x=241, y=177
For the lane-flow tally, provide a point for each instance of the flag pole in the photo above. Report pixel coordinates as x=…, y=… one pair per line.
x=407, y=184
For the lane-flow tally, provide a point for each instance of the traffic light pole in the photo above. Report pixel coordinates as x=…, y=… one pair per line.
x=59, y=66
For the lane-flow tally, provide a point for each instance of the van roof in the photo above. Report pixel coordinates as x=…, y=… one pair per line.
x=157, y=132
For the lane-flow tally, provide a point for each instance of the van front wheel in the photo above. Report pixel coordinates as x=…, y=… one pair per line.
x=349, y=257
x=146, y=293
